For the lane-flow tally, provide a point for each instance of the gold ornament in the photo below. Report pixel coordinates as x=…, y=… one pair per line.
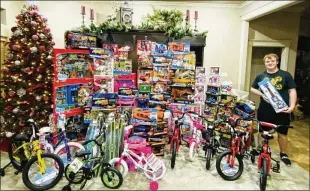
x=33, y=63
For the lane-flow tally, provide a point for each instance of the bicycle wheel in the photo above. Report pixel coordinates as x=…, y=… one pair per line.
x=34, y=180
x=263, y=175
x=227, y=172
x=17, y=158
x=208, y=158
x=74, y=178
x=123, y=166
x=61, y=151
x=111, y=178
x=192, y=152
x=174, y=153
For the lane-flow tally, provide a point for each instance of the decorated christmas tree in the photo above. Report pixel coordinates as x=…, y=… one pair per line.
x=27, y=74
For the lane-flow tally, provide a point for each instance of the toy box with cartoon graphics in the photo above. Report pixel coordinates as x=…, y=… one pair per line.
x=75, y=127
x=273, y=95
x=103, y=67
x=160, y=73
x=128, y=92
x=103, y=84
x=182, y=94
x=201, y=76
x=189, y=61
x=124, y=81
x=177, y=62
x=144, y=116
x=184, y=76
x=123, y=66
x=179, y=47
x=199, y=96
x=193, y=108
x=70, y=65
x=159, y=49
x=80, y=41
x=226, y=87
x=66, y=97
x=144, y=47
x=85, y=94
x=145, y=76
x=145, y=88
x=160, y=87
x=107, y=100
x=159, y=100
x=245, y=108
x=100, y=52
x=210, y=112
x=161, y=60
x=145, y=61
x=212, y=99
x=112, y=47
x=227, y=100
x=178, y=107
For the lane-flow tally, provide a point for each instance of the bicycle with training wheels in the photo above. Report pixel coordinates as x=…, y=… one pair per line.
x=40, y=171
x=240, y=143
x=89, y=164
x=264, y=158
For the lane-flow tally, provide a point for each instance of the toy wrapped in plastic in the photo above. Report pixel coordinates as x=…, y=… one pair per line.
x=273, y=95
x=159, y=49
x=144, y=47
x=245, y=109
x=179, y=47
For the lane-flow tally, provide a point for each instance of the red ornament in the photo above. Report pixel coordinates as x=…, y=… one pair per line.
x=35, y=37
x=69, y=36
x=47, y=29
x=21, y=123
x=53, y=43
x=9, y=108
x=42, y=48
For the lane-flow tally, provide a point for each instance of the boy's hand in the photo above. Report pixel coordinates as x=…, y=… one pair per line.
x=288, y=110
x=265, y=98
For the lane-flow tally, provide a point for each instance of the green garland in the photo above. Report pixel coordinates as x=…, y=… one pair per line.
x=168, y=21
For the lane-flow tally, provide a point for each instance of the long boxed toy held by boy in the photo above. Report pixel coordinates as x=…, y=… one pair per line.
x=273, y=95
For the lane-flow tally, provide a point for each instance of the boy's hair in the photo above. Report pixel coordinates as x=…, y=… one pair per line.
x=271, y=55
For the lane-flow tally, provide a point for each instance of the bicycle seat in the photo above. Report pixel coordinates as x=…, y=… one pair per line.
x=82, y=153
x=21, y=137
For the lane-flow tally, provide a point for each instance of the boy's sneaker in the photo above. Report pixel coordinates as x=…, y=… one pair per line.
x=285, y=159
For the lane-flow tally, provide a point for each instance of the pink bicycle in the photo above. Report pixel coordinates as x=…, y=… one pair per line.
x=195, y=139
x=141, y=157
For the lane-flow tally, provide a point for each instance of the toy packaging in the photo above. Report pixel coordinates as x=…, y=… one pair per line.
x=81, y=41
x=145, y=88
x=144, y=47
x=177, y=62
x=226, y=87
x=145, y=76
x=184, y=76
x=214, y=80
x=85, y=94
x=161, y=60
x=189, y=61
x=103, y=67
x=193, y=107
x=107, y=100
x=144, y=116
x=245, y=109
x=273, y=95
x=124, y=81
x=160, y=87
x=200, y=80
x=103, y=84
x=183, y=94
x=160, y=73
x=100, y=52
x=112, y=47
x=179, y=47
x=159, y=49
x=145, y=61
x=123, y=66
x=177, y=107
x=123, y=52
x=72, y=66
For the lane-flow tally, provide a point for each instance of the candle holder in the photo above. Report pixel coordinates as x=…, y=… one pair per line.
x=196, y=18
x=83, y=19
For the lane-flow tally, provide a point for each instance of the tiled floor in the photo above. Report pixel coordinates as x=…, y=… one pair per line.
x=193, y=175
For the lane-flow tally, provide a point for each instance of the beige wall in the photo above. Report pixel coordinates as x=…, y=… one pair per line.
x=222, y=21
x=280, y=25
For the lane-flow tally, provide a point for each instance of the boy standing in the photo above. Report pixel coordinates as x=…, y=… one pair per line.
x=284, y=83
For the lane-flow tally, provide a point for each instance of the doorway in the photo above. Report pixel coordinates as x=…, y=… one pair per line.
x=257, y=65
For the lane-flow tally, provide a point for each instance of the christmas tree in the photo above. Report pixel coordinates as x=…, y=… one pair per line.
x=28, y=72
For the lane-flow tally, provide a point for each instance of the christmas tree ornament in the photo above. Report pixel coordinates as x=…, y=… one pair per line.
x=41, y=35
x=33, y=63
x=33, y=23
x=44, y=19
x=21, y=92
x=39, y=77
x=33, y=49
x=53, y=43
x=16, y=47
x=38, y=98
x=9, y=55
x=49, y=57
x=9, y=108
x=42, y=48
x=47, y=29
x=18, y=32
x=15, y=110
x=17, y=62
x=24, y=10
x=35, y=37
x=11, y=93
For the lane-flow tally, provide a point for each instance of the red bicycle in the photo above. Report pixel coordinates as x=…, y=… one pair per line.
x=175, y=141
x=264, y=159
x=240, y=142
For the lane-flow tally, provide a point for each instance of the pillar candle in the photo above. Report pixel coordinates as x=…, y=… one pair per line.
x=91, y=14
x=83, y=10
